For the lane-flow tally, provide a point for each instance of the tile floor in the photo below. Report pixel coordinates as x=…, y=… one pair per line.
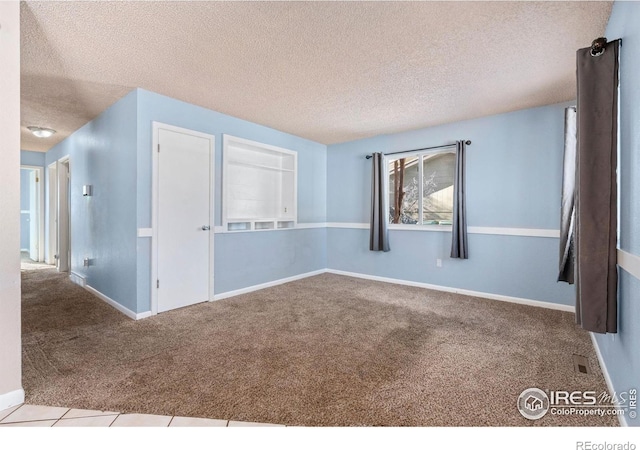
x=50, y=416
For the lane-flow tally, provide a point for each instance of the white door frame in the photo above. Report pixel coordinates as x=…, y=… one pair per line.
x=52, y=217
x=39, y=208
x=66, y=202
x=157, y=126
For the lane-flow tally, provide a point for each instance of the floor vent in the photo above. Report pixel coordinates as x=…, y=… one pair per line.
x=581, y=364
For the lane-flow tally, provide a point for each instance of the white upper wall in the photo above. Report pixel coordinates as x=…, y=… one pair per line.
x=10, y=343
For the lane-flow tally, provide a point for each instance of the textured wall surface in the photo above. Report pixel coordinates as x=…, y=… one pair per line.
x=620, y=352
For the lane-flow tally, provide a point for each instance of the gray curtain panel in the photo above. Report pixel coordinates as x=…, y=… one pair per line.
x=459, y=248
x=567, y=210
x=596, y=274
x=379, y=233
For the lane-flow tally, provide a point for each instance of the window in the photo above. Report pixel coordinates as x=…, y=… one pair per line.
x=421, y=188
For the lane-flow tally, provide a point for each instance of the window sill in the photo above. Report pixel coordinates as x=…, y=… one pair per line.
x=409, y=227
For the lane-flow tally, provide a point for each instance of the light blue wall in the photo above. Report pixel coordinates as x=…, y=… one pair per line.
x=241, y=259
x=514, y=168
x=24, y=206
x=113, y=153
x=514, y=173
x=516, y=266
x=248, y=259
x=103, y=227
x=29, y=158
x=621, y=352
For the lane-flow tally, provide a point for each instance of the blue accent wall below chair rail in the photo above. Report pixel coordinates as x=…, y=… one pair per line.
x=514, y=175
x=253, y=258
x=113, y=153
x=514, y=266
x=241, y=259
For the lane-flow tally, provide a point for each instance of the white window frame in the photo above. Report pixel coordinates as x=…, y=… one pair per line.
x=420, y=154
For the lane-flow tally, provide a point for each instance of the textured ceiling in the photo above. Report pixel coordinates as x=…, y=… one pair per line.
x=327, y=71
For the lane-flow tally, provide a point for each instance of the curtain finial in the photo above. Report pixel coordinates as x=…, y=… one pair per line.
x=598, y=46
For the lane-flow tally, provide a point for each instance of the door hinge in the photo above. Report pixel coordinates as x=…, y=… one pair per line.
x=158, y=148
x=157, y=283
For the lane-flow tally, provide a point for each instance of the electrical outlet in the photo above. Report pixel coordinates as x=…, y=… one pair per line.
x=438, y=262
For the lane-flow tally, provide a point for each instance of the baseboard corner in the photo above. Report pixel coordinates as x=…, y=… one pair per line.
x=78, y=279
x=143, y=315
x=124, y=310
x=11, y=399
x=607, y=377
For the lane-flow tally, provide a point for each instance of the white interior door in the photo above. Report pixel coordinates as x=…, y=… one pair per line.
x=183, y=219
x=52, y=218
x=63, y=217
x=34, y=219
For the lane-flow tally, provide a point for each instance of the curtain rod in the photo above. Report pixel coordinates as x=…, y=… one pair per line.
x=467, y=142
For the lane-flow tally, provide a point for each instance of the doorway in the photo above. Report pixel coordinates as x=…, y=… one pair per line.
x=32, y=213
x=52, y=213
x=182, y=217
x=63, y=215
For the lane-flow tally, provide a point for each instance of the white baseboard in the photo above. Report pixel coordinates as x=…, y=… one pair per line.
x=11, y=399
x=81, y=281
x=502, y=298
x=607, y=378
x=78, y=279
x=126, y=311
x=257, y=287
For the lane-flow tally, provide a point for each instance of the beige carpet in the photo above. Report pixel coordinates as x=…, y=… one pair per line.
x=326, y=350
x=26, y=263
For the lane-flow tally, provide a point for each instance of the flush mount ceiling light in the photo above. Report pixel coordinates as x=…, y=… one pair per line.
x=42, y=132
